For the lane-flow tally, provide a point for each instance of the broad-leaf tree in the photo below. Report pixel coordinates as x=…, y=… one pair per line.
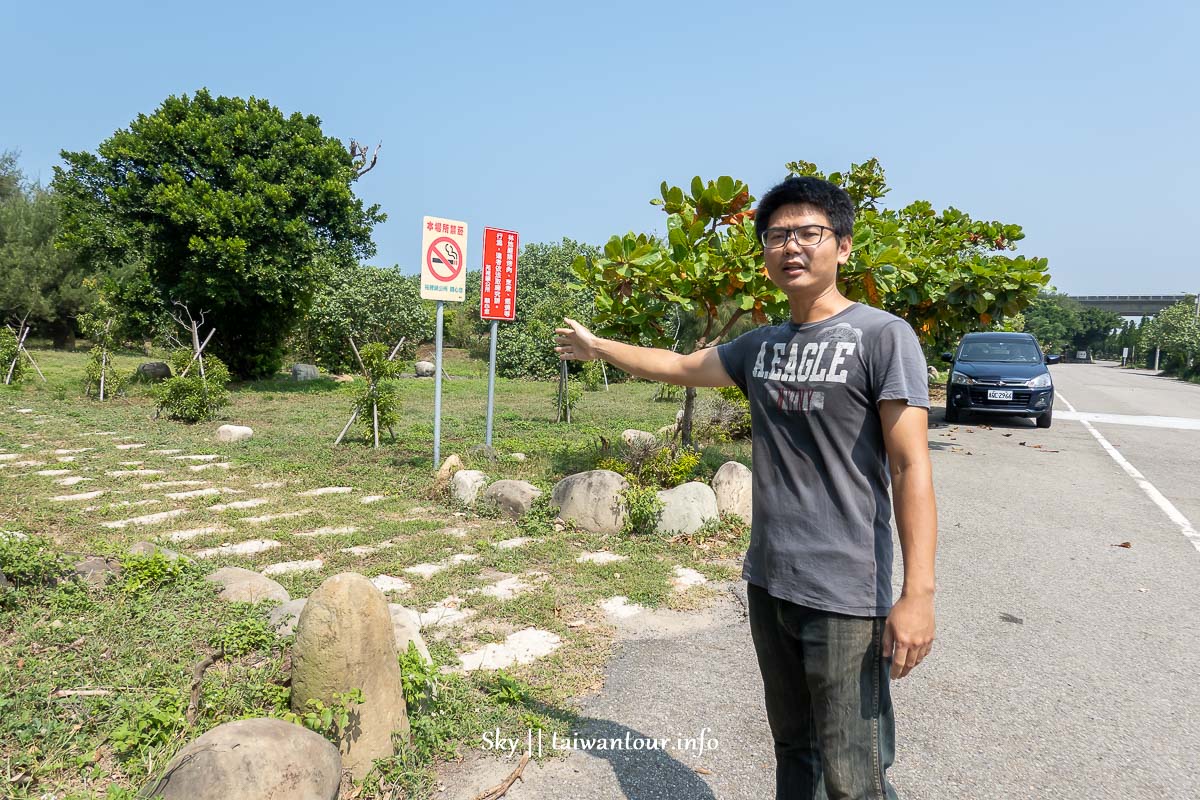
x=1176, y=330
x=709, y=269
x=223, y=204
x=945, y=273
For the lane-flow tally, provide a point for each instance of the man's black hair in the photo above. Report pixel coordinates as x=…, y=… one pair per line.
x=808, y=191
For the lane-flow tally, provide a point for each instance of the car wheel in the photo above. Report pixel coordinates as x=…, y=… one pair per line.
x=1043, y=420
x=952, y=413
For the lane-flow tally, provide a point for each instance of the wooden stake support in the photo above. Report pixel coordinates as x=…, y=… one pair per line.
x=22, y=333
x=371, y=389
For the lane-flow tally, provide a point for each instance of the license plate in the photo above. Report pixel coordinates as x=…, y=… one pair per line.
x=999, y=394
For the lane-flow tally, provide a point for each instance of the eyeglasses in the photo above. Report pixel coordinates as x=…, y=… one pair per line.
x=805, y=236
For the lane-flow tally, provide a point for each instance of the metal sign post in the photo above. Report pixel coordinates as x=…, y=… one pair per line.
x=437, y=389
x=497, y=298
x=443, y=278
x=491, y=385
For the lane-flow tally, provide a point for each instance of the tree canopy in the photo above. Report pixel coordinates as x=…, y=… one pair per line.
x=37, y=279
x=226, y=205
x=944, y=272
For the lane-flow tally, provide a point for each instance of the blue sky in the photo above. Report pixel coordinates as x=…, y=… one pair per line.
x=1076, y=120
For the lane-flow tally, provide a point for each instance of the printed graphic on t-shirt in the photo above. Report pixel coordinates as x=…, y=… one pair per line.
x=789, y=369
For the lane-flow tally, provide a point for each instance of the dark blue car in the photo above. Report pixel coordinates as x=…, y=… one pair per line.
x=1000, y=373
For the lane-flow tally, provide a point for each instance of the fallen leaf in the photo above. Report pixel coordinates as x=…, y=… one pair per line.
x=702, y=771
x=1006, y=434
x=1126, y=545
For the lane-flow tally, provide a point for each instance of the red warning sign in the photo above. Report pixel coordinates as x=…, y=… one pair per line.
x=498, y=289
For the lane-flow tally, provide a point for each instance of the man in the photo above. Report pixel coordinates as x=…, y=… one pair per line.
x=839, y=399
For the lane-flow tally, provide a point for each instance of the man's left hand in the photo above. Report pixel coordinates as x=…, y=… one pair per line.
x=908, y=634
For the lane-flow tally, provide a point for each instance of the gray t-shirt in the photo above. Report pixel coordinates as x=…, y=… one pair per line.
x=821, y=535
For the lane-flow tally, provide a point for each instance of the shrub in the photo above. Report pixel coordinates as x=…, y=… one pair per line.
x=643, y=509
x=30, y=560
x=377, y=392
x=9, y=352
x=143, y=575
x=372, y=304
x=247, y=635
x=420, y=678
x=572, y=397
x=193, y=398
x=99, y=362
x=592, y=373
x=148, y=722
x=725, y=415
x=653, y=465
x=328, y=720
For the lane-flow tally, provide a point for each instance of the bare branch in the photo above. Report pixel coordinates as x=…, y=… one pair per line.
x=358, y=155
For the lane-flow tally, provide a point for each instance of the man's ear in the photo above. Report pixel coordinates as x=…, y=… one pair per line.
x=845, y=247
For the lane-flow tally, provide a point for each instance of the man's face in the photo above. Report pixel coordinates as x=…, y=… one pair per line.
x=805, y=270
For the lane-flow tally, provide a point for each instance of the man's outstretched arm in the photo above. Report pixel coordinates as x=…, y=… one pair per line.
x=701, y=368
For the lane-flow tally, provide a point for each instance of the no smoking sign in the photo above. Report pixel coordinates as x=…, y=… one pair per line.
x=443, y=258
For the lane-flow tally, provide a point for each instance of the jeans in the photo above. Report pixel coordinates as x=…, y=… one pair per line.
x=828, y=700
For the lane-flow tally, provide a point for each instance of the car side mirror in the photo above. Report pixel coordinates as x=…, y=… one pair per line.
x=947, y=357
x=1053, y=359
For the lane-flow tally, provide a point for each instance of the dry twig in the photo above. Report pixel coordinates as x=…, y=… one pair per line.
x=501, y=789
x=197, y=680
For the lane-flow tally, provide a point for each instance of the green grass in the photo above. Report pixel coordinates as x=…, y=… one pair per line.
x=139, y=647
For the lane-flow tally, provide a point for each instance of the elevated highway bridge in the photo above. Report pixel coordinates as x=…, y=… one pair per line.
x=1130, y=305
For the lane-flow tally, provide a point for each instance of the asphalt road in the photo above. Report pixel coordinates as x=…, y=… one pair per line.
x=1065, y=665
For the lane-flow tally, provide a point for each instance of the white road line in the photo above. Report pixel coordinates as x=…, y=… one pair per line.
x=1173, y=423
x=1146, y=486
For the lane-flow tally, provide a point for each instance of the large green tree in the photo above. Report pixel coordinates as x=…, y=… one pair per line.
x=546, y=292
x=1059, y=321
x=1176, y=330
x=372, y=304
x=37, y=280
x=224, y=204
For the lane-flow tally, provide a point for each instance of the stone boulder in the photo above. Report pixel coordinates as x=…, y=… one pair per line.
x=345, y=640
x=149, y=549
x=451, y=465
x=513, y=498
x=406, y=624
x=96, y=570
x=734, y=485
x=686, y=508
x=234, y=433
x=153, y=371
x=246, y=586
x=638, y=439
x=424, y=369
x=252, y=759
x=283, y=617
x=466, y=484
x=592, y=500
x=304, y=372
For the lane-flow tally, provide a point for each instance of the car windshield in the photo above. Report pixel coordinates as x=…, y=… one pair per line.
x=1003, y=352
